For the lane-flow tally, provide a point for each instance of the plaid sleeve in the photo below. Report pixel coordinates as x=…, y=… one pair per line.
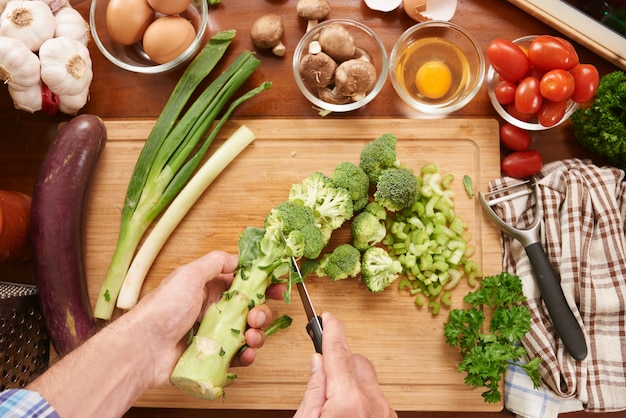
x=22, y=403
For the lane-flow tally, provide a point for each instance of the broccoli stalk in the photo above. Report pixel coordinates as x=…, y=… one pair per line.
x=264, y=257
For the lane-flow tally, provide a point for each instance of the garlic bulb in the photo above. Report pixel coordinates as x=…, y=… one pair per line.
x=19, y=66
x=29, y=100
x=70, y=105
x=65, y=65
x=69, y=22
x=32, y=22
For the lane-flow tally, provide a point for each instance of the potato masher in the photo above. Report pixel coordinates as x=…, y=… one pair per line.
x=547, y=278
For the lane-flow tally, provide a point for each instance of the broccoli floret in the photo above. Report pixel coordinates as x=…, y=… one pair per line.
x=377, y=210
x=331, y=205
x=378, y=155
x=297, y=224
x=378, y=269
x=367, y=230
x=601, y=127
x=352, y=177
x=396, y=189
x=344, y=262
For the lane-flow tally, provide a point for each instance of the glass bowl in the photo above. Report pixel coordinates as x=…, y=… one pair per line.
x=455, y=60
x=531, y=125
x=132, y=57
x=364, y=40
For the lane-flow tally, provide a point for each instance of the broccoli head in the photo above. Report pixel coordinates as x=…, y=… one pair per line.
x=601, y=127
x=379, y=155
x=378, y=269
x=296, y=224
x=367, y=230
x=396, y=189
x=342, y=263
x=352, y=177
x=331, y=205
x=377, y=210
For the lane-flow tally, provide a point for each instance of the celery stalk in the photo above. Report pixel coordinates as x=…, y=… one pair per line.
x=164, y=165
x=176, y=211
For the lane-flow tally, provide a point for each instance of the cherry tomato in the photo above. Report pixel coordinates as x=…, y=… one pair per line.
x=528, y=95
x=557, y=85
x=521, y=164
x=505, y=92
x=586, y=80
x=514, y=138
x=550, y=52
x=551, y=112
x=508, y=59
x=524, y=117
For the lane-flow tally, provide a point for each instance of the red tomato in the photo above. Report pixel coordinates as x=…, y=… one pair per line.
x=557, y=85
x=514, y=138
x=521, y=164
x=551, y=112
x=586, y=80
x=528, y=95
x=550, y=52
x=524, y=117
x=508, y=59
x=505, y=92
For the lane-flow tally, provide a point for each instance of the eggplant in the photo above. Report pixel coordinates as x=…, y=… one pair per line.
x=57, y=212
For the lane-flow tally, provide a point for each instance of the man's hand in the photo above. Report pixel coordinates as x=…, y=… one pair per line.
x=342, y=384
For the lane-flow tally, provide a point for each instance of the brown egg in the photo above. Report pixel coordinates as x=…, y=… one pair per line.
x=127, y=20
x=169, y=7
x=168, y=37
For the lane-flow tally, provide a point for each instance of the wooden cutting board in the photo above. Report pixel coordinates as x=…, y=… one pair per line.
x=415, y=367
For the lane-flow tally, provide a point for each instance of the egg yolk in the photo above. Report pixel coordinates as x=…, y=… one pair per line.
x=433, y=79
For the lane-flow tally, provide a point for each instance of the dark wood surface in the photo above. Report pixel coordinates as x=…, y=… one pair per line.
x=116, y=93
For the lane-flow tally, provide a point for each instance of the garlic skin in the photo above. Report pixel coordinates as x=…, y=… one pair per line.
x=70, y=105
x=32, y=22
x=3, y=4
x=29, y=100
x=65, y=65
x=19, y=66
x=54, y=4
x=70, y=23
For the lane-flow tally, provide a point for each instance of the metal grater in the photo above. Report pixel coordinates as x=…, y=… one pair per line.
x=24, y=343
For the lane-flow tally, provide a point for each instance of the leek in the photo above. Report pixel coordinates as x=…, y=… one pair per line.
x=165, y=163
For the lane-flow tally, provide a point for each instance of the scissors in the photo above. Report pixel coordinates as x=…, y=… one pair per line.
x=314, y=326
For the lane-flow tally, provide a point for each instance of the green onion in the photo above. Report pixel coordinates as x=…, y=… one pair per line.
x=165, y=163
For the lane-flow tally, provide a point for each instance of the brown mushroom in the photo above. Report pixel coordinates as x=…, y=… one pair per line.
x=355, y=78
x=313, y=11
x=317, y=70
x=266, y=33
x=337, y=42
x=332, y=96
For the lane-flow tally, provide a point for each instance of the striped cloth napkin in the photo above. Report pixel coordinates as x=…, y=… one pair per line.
x=583, y=233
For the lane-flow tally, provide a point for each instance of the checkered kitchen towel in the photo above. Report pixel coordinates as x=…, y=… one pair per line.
x=583, y=233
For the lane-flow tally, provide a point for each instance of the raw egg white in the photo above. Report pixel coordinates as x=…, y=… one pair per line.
x=169, y=7
x=127, y=20
x=168, y=37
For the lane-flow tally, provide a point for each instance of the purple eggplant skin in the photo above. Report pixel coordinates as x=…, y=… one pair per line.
x=57, y=232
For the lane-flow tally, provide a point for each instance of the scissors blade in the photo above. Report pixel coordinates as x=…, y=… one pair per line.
x=314, y=325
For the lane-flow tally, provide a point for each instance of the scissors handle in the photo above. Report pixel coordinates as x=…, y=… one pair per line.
x=314, y=329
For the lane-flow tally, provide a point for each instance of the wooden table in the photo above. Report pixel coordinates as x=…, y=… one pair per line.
x=116, y=93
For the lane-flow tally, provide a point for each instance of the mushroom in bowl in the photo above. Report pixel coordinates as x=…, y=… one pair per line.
x=340, y=65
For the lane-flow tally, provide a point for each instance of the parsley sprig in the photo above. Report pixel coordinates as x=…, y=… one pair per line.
x=486, y=355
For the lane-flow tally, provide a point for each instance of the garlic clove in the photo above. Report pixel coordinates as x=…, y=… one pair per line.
x=19, y=66
x=32, y=22
x=70, y=23
x=56, y=4
x=65, y=65
x=29, y=100
x=383, y=5
x=71, y=104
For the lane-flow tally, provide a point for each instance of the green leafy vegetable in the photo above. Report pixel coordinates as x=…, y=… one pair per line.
x=602, y=126
x=486, y=354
